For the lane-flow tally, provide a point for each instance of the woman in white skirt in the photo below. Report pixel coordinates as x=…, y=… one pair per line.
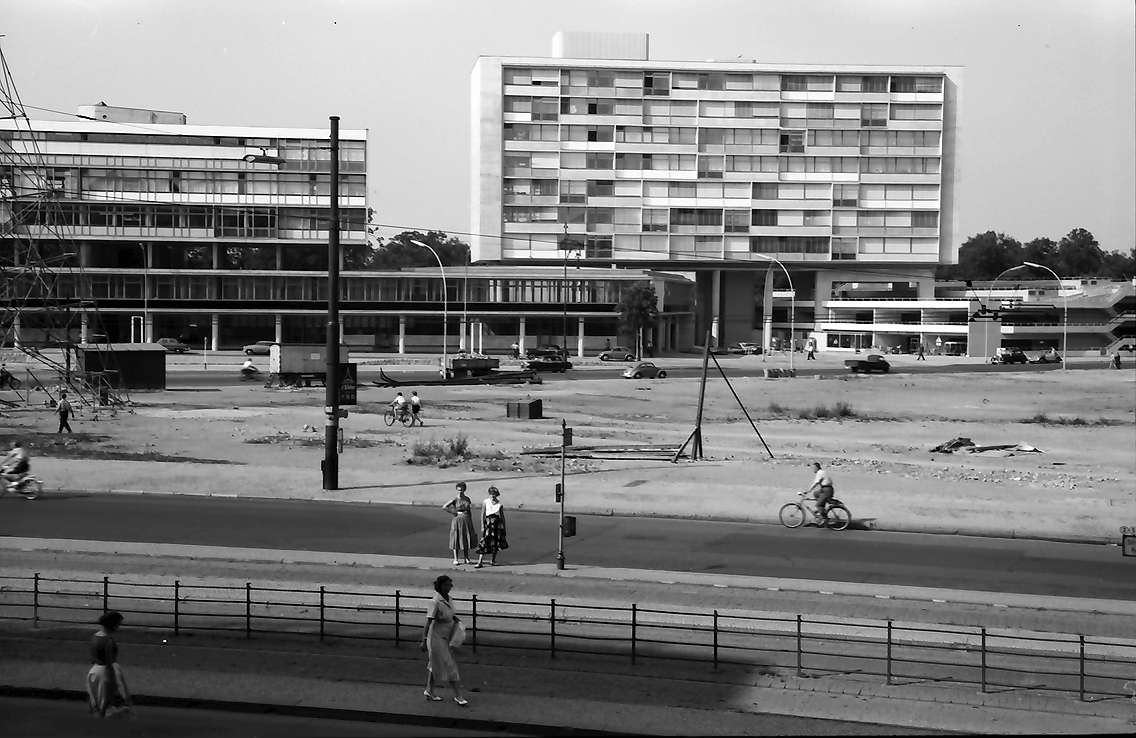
x=107, y=693
x=463, y=536
x=440, y=624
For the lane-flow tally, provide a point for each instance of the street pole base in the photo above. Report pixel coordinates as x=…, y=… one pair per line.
x=560, y=561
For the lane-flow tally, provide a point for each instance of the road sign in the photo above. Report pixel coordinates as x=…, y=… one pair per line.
x=569, y=526
x=559, y=492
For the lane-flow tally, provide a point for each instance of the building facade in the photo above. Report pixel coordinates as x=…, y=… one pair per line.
x=843, y=174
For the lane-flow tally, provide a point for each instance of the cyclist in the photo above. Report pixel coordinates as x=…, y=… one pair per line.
x=15, y=467
x=822, y=490
x=398, y=404
x=415, y=409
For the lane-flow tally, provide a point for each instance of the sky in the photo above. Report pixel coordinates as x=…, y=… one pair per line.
x=1047, y=128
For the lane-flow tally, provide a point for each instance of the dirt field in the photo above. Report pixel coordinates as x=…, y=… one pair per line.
x=269, y=442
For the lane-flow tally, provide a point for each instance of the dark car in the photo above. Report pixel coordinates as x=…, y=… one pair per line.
x=260, y=348
x=644, y=369
x=1009, y=356
x=546, y=364
x=547, y=351
x=874, y=363
x=173, y=345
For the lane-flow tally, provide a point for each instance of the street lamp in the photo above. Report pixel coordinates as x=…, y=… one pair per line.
x=263, y=158
x=1065, y=322
x=445, y=304
x=792, y=306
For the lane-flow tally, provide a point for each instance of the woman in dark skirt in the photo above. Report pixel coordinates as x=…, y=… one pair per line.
x=492, y=528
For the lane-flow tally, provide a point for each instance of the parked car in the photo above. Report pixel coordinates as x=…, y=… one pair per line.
x=260, y=348
x=874, y=363
x=1009, y=356
x=173, y=345
x=744, y=348
x=644, y=369
x=1048, y=357
x=547, y=351
x=617, y=353
x=546, y=364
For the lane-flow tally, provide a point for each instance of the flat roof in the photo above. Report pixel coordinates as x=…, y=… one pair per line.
x=721, y=66
x=174, y=129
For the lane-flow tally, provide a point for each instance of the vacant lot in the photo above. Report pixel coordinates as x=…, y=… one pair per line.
x=874, y=432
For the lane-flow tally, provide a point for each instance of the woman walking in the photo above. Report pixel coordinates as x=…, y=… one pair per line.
x=106, y=686
x=492, y=528
x=463, y=536
x=440, y=624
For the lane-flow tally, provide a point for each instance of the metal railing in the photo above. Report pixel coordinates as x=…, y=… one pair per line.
x=1093, y=668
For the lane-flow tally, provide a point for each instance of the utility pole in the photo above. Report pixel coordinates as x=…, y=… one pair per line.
x=564, y=298
x=331, y=383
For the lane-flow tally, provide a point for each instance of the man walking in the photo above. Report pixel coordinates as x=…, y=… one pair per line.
x=64, y=410
x=810, y=347
x=415, y=409
x=921, y=352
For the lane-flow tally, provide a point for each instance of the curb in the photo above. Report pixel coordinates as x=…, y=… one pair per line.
x=323, y=713
x=1008, y=534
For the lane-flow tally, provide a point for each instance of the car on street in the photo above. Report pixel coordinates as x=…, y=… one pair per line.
x=1048, y=357
x=173, y=345
x=1005, y=355
x=546, y=351
x=546, y=364
x=745, y=348
x=617, y=353
x=260, y=348
x=874, y=363
x=644, y=369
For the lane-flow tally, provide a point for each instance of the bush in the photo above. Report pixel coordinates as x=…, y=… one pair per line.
x=441, y=452
x=776, y=409
x=1043, y=419
x=821, y=412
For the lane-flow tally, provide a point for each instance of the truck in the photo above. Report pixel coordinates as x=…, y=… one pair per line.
x=874, y=363
x=299, y=363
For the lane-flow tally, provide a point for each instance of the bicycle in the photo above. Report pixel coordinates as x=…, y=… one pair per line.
x=28, y=486
x=794, y=514
x=402, y=416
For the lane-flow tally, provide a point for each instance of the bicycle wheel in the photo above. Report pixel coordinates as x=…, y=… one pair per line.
x=838, y=517
x=792, y=515
x=406, y=419
x=388, y=417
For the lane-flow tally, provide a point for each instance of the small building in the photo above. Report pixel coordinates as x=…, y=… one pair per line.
x=127, y=365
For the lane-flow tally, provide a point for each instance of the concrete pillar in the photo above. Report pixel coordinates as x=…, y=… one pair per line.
x=521, y=335
x=148, y=328
x=480, y=337
x=216, y=256
x=279, y=328
x=715, y=305
x=462, y=334
x=83, y=323
x=579, y=338
x=214, y=332
x=279, y=256
x=17, y=337
x=402, y=334
x=84, y=254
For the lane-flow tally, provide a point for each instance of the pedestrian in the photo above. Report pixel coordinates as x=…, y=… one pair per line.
x=810, y=347
x=921, y=352
x=415, y=409
x=63, y=407
x=607, y=344
x=463, y=536
x=1115, y=359
x=516, y=350
x=107, y=693
x=492, y=528
x=438, y=643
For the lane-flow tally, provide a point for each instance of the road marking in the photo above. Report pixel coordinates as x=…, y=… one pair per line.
x=997, y=604
x=883, y=597
x=723, y=586
x=825, y=593
x=774, y=589
x=939, y=601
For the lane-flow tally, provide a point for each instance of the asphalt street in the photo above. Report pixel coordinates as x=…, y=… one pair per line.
x=956, y=562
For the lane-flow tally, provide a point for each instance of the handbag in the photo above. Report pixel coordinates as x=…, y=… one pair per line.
x=457, y=637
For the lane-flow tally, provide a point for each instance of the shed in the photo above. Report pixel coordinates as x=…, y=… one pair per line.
x=136, y=365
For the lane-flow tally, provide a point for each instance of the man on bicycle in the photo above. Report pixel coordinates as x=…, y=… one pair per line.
x=398, y=404
x=15, y=464
x=822, y=490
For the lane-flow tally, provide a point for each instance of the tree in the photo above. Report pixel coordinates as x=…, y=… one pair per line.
x=1079, y=255
x=399, y=252
x=1119, y=266
x=638, y=309
x=1041, y=250
x=983, y=256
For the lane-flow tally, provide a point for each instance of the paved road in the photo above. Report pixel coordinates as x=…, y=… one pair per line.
x=959, y=562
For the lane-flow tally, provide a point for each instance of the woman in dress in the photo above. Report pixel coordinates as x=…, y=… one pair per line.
x=440, y=622
x=463, y=536
x=492, y=528
x=106, y=685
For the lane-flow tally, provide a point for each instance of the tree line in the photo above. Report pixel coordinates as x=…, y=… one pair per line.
x=984, y=256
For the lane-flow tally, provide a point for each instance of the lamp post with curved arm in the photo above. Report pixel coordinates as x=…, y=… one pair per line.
x=445, y=304
x=1065, y=321
x=792, y=306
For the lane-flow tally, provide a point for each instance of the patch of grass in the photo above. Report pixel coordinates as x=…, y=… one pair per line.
x=440, y=452
x=776, y=409
x=824, y=412
x=1043, y=419
x=290, y=440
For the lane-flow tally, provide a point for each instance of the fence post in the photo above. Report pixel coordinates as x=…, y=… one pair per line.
x=1082, y=664
x=106, y=593
x=473, y=629
x=35, y=599
x=552, y=627
x=715, y=640
x=248, y=609
x=888, y=677
x=983, y=653
x=634, y=629
x=321, y=610
x=397, y=622
x=799, y=659
x=177, y=606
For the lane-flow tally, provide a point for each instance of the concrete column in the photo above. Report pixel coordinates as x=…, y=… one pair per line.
x=279, y=328
x=402, y=334
x=279, y=256
x=148, y=328
x=521, y=335
x=16, y=331
x=480, y=337
x=214, y=332
x=83, y=322
x=463, y=328
x=84, y=254
x=579, y=338
x=715, y=305
x=216, y=256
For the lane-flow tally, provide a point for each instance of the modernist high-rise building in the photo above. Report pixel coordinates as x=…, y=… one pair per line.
x=844, y=174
